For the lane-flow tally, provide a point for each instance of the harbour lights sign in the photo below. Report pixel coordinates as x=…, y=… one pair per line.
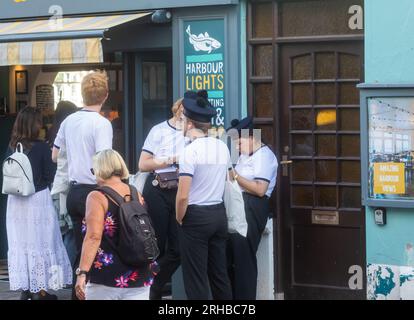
x=205, y=63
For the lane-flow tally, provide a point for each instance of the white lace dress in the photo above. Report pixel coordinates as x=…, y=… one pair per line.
x=37, y=258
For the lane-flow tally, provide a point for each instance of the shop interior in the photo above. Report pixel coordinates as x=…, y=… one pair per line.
x=139, y=70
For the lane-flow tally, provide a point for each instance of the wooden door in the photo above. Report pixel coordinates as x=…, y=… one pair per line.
x=322, y=216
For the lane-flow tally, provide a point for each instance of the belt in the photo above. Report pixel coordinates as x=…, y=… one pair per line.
x=75, y=183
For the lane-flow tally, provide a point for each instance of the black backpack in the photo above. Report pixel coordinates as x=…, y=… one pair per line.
x=137, y=245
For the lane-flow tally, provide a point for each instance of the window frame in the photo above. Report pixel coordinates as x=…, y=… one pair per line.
x=367, y=92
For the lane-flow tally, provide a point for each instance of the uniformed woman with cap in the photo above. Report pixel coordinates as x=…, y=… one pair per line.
x=255, y=172
x=162, y=147
x=160, y=155
x=199, y=206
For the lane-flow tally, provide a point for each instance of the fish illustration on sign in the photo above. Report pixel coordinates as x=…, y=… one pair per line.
x=203, y=42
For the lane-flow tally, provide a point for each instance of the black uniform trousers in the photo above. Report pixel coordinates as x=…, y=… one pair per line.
x=161, y=208
x=76, y=206
x=242, y=251
x=203, y=236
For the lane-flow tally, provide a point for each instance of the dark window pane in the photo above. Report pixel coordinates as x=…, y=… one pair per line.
x=325, y=197
x=325, y=67
x=154, y=80
x=326, y=145
x=302, y=171
x=263, y=61
x=267, y=135
x=302, y=119
x=350, y=197
x=325, y=94
x=262, y=20
x=349, y=119
x=302, y=196
x=318, y=17
x=350, y=171
x=349, y=66
x=301, y=94
x=350, y=146
x=348, y=93
x=326, y=119
x=326, y=171
x=263, y=100
x=302, y=68
x=302, y=145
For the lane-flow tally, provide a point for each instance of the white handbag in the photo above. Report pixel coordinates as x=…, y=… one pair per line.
x=234, y=203
x=138, y=180
x=18, y=174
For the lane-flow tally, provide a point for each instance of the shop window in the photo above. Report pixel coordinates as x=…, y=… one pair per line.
x=391, y=148
x=67, y=87
x=154, y=81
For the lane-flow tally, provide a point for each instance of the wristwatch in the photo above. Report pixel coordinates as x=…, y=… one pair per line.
x=80, y=272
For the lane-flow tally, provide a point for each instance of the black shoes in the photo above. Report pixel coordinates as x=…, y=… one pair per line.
x=43, y=295
x=155, y=294
x=25, y=295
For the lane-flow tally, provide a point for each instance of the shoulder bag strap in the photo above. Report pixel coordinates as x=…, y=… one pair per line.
x=112, y=194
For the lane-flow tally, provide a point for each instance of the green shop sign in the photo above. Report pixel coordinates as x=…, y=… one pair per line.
x=204, y=61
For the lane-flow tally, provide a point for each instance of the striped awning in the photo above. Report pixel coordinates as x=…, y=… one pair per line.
x=60, y=41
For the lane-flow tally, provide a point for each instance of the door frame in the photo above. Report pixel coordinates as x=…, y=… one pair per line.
x=277, y=41
x=134, y=135
x=284, y=210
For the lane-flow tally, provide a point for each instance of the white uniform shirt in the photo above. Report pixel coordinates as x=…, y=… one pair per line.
x=261, y=165
x=82, y=135
x=206, y=160
x=164, y=141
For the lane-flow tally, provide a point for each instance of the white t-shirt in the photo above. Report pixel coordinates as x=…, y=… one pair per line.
x=206, y=160
x=164, y=141
x=82, y=135
x=261, y=165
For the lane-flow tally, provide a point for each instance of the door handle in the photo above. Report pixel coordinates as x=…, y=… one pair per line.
x=284, y=163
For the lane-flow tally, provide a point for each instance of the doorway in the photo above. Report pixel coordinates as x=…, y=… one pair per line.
x=304, y=64
x=147, y=96
x=323, y=220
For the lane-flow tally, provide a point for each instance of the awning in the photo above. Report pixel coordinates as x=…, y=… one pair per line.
x=63, y=41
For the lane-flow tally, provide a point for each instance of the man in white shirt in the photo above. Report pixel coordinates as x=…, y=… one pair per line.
x=82, y=135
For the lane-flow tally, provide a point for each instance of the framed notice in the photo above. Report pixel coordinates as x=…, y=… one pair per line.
x=21, y=82
x=388, y=146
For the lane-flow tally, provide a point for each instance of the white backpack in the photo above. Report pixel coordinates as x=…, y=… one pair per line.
x=17, y=174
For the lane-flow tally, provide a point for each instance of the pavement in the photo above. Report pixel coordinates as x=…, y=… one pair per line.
x=6, y=294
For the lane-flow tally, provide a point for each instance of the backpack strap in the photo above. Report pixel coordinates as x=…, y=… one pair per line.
x=112, y=194
x=133, y=193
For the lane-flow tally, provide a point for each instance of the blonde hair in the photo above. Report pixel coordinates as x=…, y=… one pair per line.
x=109, y=163
x=176, y=106
x=94, y=88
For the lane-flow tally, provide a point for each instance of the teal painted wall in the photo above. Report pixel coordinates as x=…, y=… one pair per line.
x=389, y=51
x=389, y=43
